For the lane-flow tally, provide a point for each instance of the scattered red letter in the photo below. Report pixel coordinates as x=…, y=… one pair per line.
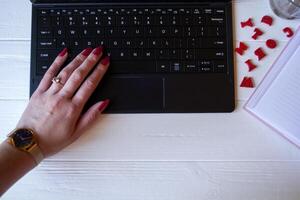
x=247, y=23
x=247, y=82
x=267, y=20
x=288, y=31
x=260, y=53
x=271, y=44
x=250, y=64
x=241, y=49
x=257, y=33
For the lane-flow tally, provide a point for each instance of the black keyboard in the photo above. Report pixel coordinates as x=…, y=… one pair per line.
x=139, y=40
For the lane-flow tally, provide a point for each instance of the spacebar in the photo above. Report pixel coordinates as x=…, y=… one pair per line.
x=133, y=67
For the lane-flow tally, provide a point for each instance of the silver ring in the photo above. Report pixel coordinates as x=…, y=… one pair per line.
x=57, y=80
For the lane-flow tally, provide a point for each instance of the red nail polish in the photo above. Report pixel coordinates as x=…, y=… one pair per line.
x=87, y=52
x=98, y=51
x=103, y=105
x=63, y=52
x=106, y=60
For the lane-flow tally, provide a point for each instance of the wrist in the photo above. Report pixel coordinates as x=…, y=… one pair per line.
x=25, y=141
x=15, y=154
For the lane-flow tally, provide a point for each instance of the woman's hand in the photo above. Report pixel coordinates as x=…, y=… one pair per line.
x=54, y=110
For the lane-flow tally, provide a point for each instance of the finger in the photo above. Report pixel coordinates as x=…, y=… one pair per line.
x=69, y=69
x=89, y=117
x=78, y=76
x=90, y=84
x=53, y=70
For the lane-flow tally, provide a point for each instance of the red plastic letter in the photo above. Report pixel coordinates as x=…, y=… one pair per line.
x=247, y=82
x=241, y=49
x=272, y=44
x=267, y=20
x=260, y=53
x=250, y=65
x=257, y=33
x=288, y=31
x=247, y=23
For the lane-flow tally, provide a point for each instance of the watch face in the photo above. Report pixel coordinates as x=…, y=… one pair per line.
x=22, y=138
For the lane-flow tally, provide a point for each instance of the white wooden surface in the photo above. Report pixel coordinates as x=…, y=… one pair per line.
x=190, y=157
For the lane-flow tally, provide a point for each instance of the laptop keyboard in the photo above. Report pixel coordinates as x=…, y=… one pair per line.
x=139, y=40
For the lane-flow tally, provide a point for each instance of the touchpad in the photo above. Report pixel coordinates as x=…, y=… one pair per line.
x=131, y=94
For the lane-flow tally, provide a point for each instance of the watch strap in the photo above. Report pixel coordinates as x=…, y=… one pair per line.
x=36, y=153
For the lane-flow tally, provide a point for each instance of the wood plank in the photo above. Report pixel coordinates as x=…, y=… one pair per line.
x=260, y=180
x=15, y=20
x=233, y=136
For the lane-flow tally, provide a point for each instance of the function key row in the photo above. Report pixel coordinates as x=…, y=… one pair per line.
x=131, y=11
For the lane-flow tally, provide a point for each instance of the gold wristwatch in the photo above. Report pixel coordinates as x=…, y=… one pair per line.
x=25, y=140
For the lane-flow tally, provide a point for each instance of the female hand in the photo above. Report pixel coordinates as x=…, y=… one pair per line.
x=54, y=110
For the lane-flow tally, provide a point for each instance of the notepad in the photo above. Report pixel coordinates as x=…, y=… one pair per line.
x=276, y=100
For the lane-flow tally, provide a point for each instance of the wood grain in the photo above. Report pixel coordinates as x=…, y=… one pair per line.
x=190, y=157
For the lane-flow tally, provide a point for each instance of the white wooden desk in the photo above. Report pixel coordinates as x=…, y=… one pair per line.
x=171, y=157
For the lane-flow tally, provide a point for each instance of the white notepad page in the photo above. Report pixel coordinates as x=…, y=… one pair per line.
x=277, y=100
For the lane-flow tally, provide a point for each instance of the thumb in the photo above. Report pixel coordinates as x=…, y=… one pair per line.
x=89, y=117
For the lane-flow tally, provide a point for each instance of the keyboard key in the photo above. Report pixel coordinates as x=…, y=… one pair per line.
x=215, y=20
x=188, y=54
x=163, y=54
x=176, y=31
x=205, y=66
x=219, y=11
x=208, y=11
x=211, y=54
x=136, y=54
x=190, y=67
x=214, y=43
x=45, y=33
x=149, y=54
x=176, y=67
x=220, y=66
x=44, y=21
x=59, y=33
x=42, y=67
x=62, y=44
x=46, y=44
x=46, y=55
x=163, y=66
x=57, y=21
x=174, y=54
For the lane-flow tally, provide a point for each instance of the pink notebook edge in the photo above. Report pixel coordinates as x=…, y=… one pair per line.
x=286, y=136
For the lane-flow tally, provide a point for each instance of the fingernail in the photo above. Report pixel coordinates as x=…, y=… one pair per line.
x=63, y=52
x=98, y=51
x=106, y=60
x=103, y=105
x=87, y=52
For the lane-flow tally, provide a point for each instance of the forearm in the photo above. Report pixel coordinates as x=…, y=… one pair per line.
x=14, y=164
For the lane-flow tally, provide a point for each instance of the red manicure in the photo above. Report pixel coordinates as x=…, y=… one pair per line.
x=87, y=52
x=103, y=105
x=98, y=51
x=63, y=52
x=106, y=60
